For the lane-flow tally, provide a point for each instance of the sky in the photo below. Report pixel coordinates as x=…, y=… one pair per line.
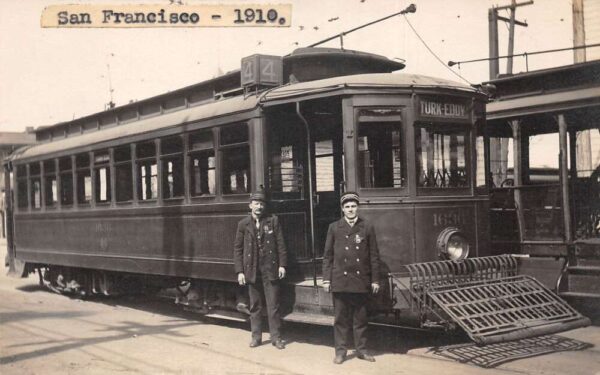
x=50, y=75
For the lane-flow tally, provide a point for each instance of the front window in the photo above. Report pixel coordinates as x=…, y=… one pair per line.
x=380, y=157
x=442, y=156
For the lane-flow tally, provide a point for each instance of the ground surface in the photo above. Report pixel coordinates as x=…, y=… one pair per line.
x=45, y=333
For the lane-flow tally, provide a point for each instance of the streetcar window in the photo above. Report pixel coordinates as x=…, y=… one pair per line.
x=202, y=164
x=36, y=185
x=36, y=193
x=285, y=158
x=236, y=159
x=102, y=177
x=172, y=167
x=23, y=199
x=442, y=157
x=147, y=171
x=123, y=174
x=324, y=165
x=50, y=188
x=84, y=178
x=66, y=181
x=380, y=160
x=22, y=193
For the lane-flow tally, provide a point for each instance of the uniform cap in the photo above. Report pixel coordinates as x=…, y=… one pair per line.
x=258, y=196
x=349, y=196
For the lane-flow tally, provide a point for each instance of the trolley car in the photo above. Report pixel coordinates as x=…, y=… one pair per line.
x=550, y=213
x=149, y=194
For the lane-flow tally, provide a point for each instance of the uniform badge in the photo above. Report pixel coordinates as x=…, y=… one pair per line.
x=358, y=239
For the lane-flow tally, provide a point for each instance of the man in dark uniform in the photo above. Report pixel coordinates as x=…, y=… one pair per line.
x=351, y=272
x=260, y=259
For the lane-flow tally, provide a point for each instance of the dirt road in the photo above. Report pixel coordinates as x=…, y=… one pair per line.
x=45, y=333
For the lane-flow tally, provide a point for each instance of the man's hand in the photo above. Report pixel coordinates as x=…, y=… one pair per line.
x=281, y=272
x=327, y=286
x=241, y=278
x=375, y=288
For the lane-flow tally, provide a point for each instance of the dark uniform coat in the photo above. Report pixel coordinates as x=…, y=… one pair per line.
x=351, y=257
x=246, y=248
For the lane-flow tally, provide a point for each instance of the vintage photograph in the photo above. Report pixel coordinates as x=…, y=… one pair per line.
x=300, y=187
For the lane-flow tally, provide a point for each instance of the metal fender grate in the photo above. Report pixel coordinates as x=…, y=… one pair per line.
x=486, y=298
x=506, y=309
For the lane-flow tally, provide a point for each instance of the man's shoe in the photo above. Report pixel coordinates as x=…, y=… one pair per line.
x=339, y=359
x=365, y=357
x=255, y=343
x=279, y=344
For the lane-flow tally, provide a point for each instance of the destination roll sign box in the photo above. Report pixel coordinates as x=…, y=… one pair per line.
x=439, y=109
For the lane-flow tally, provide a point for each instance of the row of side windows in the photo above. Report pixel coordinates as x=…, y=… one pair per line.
x=86, y=177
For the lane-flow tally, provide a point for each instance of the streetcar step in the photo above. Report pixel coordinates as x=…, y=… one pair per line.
x=299, y=317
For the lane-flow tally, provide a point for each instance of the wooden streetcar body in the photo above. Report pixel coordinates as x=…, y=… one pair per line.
x=124, y=198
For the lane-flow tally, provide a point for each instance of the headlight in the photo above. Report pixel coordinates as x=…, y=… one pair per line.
x=453, y=244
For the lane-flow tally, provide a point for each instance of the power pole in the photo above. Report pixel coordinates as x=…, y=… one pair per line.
x=493, y=18
x=584, y=141
x=499, y=146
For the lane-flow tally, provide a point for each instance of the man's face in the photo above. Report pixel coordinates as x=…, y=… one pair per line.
x=350, y=209
x=257, y=208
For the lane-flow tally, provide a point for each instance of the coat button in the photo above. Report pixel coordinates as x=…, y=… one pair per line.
x=345, y=273
x=347, y=236
x=346, y=247
x=356, y=247
x=358, y=272
x=268, y=242
x=357, y=259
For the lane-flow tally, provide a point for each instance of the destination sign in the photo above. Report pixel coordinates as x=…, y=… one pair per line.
x=443, y=109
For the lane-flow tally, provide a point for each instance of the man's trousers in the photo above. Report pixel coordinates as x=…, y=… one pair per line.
x=350, y=311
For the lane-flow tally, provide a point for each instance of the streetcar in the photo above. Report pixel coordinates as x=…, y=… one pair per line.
x=146, y=196
x=549, y=209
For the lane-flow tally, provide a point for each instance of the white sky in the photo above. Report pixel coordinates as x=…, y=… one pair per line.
x=54, y=75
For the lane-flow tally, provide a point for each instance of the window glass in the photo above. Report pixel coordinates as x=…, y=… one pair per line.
x=441, y=157
x=233, y=134
x=84, y=178
x=203, y=173
x=380, y=159
x=172, y=176
x=51, y=187
x=236, y=159
x=22, y=193
x=286, y=172
x=236, y=170
x=66, y=181
x=172, y=167
x=147, y=171
x=36, y=192
x=324, y=165
x=147, y=180
x=480, y=163
x=202, y=164
x=102, y=177
x=23, y=198
x=123, y=174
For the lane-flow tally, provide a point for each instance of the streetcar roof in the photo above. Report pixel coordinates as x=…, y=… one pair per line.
x=373, y=80
x=238, y=104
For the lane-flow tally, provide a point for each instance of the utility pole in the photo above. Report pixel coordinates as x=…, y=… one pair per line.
x=584, y=141
x=499, y=146
x=493, y=18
